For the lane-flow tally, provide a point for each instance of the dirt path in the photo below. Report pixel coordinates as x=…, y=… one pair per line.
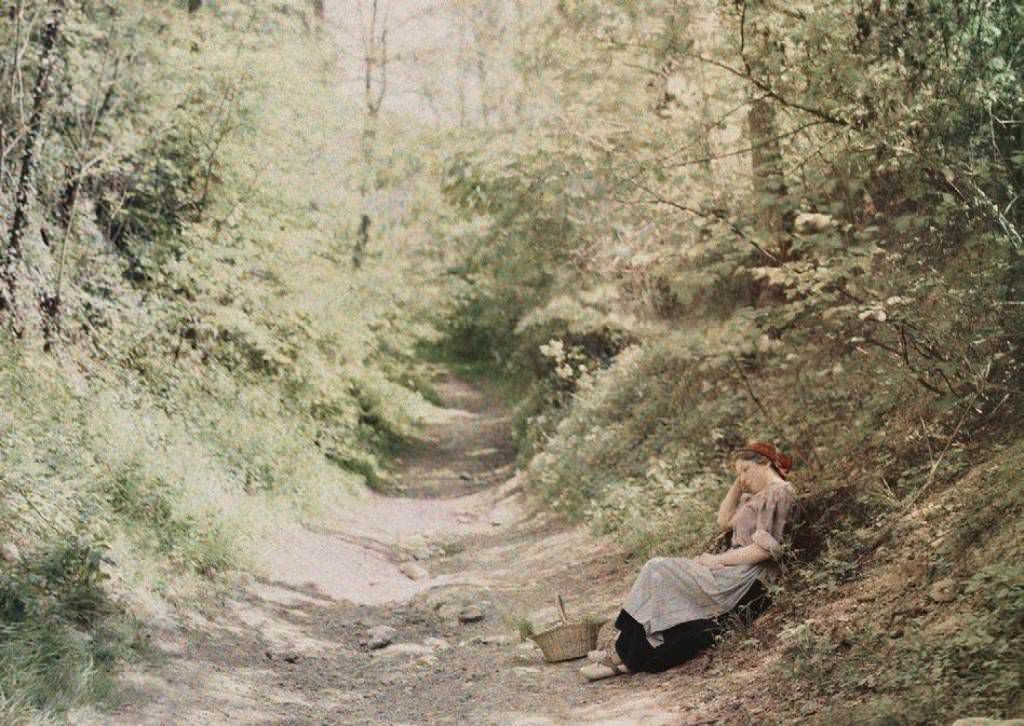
x=294, y=647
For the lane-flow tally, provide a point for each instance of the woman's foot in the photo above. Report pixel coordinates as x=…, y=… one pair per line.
x=605, y=665
x=600, y=671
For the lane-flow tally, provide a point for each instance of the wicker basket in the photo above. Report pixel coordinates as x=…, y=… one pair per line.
x=568, y=641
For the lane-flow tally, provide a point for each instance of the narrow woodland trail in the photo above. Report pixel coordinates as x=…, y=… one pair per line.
x=446, y=568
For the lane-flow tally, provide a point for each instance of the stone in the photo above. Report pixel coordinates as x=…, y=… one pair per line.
x=411, y=649
x=420, y=553
x=438, y=645
x=471, y=614
x=499, y=640
x=449, y=611
x=413, y=571
x=380, y=637
x=943, y=591
x=435, y=600
x=525, y=670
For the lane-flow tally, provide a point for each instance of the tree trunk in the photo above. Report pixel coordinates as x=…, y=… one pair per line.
x=40, y=93
x=766, y=165
x=318, y=10
x=762, y=54
x=362, y=241
x=194, y=6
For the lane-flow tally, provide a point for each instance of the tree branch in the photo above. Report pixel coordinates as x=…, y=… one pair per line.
x=772, y=93
x=712, y=214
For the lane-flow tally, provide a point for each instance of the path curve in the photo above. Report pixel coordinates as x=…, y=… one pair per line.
x=293, y=647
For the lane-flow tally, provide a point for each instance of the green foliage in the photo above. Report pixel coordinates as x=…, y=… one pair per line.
x=214, y=363
x=148, y=503
x=593, y=229
x=627, y=461
x=60, y=633
x=744, y=220
x=524, y=626
x=698, y=223
x=968, y=665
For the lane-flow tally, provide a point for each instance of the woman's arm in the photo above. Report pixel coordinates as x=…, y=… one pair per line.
x=727, y=508
x=749, y=555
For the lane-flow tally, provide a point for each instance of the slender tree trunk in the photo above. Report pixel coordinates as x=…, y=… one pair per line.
x=362, y=241
x=481, y=75
x=11, y=257
x=706, y=145
x=375, y=87
x=762, y=127
x=766, y=164
x=460, y=73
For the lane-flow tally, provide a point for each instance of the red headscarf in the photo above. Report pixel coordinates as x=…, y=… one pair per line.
x=780, y=462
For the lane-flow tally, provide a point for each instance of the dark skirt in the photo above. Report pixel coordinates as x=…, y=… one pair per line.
x=683, y=641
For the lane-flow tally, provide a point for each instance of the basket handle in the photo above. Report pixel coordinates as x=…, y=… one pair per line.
x=561, y=609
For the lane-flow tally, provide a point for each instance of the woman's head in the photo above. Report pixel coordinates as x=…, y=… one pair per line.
x=758, y=464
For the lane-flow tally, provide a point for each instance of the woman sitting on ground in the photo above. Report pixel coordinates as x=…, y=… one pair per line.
x=675, y=607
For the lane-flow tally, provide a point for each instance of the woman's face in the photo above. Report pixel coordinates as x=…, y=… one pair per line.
x=753, y=476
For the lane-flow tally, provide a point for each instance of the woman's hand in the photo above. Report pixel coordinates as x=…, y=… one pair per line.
x=709, y=560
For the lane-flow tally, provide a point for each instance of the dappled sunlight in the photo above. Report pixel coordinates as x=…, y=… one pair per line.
x=337, y=339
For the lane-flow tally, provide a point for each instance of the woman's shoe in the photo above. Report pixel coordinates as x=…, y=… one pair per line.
x=600, y=671
x=605, y=665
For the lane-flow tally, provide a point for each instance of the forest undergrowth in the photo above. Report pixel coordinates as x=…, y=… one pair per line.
x=668, y=227
x=193, y=355
x=798, y=224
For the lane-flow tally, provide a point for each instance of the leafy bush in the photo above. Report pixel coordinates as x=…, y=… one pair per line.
x=149, y=504
x=60, y=633
x=211, y=361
